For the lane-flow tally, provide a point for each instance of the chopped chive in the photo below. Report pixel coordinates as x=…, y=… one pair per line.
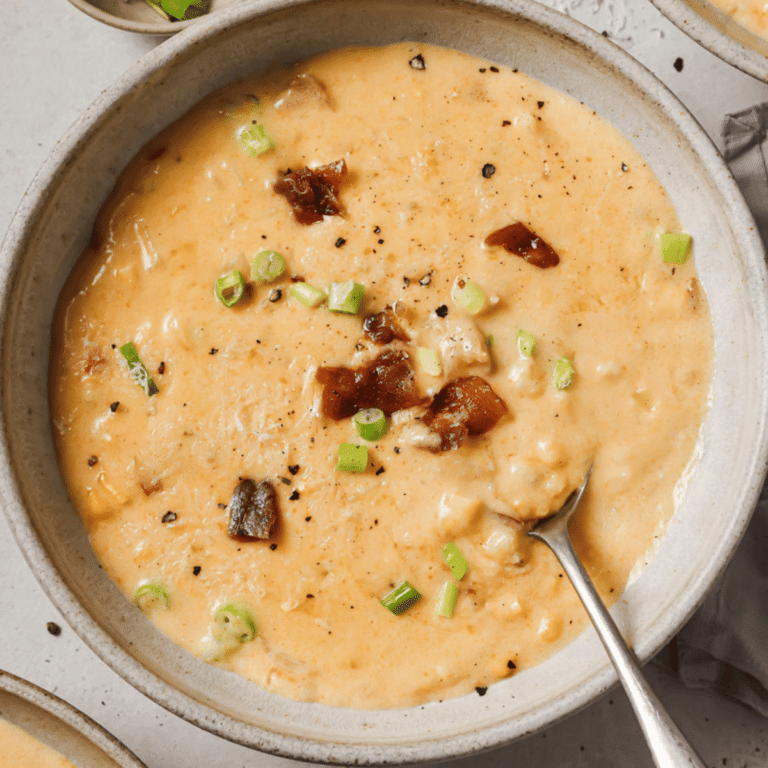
x=446, y=600
x=455, y=560
x=352, y=458
x=469, y=295
x=254, y=140
x=345, y=297
x=229, y=288
x=429, y=361
x=307, y=294
x=401, y=598
x=371, y=424
x=152, y=594
x=563, y=373
x=675, y=246
x=136, y=369
x=234, y=622
x=526, y=343
x=267, y=266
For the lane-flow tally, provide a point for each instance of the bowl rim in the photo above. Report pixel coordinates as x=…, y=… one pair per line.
x=87, y=728
x=716, y=38
x=160, y=28
x=21, y=229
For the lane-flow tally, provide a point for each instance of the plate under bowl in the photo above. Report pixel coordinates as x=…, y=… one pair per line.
x=60, y=726
x=54, y=223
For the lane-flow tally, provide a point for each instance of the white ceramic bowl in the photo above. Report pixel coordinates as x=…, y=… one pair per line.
x=54, y=223
x=137, y=16
x=719, y=34
x=60, y=726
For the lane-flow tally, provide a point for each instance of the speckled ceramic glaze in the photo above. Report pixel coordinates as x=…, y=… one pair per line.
x=60, y=726
x=55, y=221
x=719, y=34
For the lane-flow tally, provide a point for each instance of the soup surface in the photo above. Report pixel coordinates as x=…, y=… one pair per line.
x=751, y=14
x=20, y=750
x=472, y=203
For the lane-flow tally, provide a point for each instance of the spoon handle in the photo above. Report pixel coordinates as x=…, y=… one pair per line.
x=669, y=747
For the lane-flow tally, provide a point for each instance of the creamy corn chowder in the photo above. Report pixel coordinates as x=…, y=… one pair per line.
x=343, y=333
x=20, y=750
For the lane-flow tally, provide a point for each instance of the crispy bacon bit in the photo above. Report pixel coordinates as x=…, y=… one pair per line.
x=386, y=382
x=518, y=239
x=466, y=406
x=252, y=511
x=313, y=192
x=382, y=328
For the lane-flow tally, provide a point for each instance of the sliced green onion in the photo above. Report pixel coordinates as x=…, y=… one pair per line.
x=446, y=600
x=352, y=458
x=675, y=246
x=234, y=622
x=172, y=10
x=307, y=294
x=563, y=373
x=455, y=560
x=152, y=594
x=526, y=343
x=345, y=297
x=371, y=424
x=429, y=361
x=229, y=288
x=401, y=598
x=469, y=295
x=136, y=369
x=254, y=140
x=267, y=266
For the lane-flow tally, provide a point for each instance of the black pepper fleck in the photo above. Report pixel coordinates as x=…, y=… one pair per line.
x=488, y=170
x=309, y=597
x=505, y=123
x=380, y=471
x=377, y=230
x=220, y=505
x=307, y=518
x=678, y=65
x=624, y=167
x=293, y=469
x=213, y=351
x=340, y=242
x=481, y=690
x=397, y=449
x=92, y=460
x=511, y=664
x=294, y=496
x=169, y=517
x=53, y=628
x=417, y=62
x=494, y=69
x=407, y=281
x=196, y=570
x=161, y=368
x=114, y=406
x=275, y=295
x=442, y=311
x=273, y=547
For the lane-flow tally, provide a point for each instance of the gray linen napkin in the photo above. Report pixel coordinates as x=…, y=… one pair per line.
x=725, y=644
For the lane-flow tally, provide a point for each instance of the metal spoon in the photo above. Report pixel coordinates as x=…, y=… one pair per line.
x=668, y=746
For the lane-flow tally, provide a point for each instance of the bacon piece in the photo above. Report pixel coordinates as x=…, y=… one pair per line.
x=382, y=328
x=313, y=192
x=463, y=407
x=252, y=511
x=521, y=241
x=386, y=382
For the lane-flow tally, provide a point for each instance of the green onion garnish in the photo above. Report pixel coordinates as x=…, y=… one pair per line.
x=429, y=361
x=526, y=343
x=400, y=598
x=446, y=600
x=173, y=10
x=254, y=140
x=469, y=295
x=563, y=373
x=307, y=294
x=267, y=266
x=234, y=622
x=345, y=297
x=229, y=288
x=371, y=424
x=136, y=369
x=455, y=560
x=675, y=246
x=152, y=594
x=352, y=458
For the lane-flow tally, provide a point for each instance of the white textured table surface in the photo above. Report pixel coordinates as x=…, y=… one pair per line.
x=54, y=62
